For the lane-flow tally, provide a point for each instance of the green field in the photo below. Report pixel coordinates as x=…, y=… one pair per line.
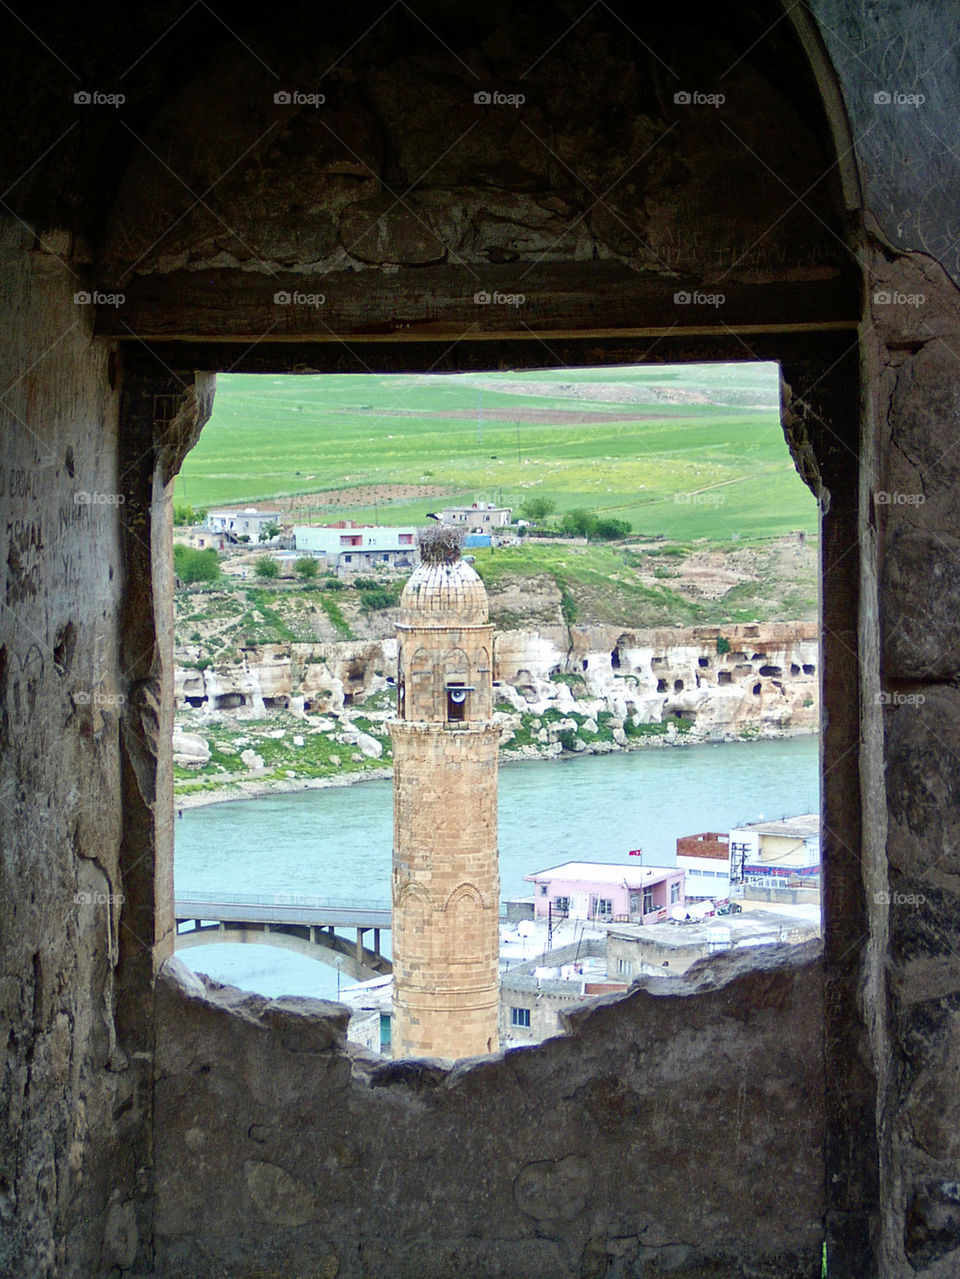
x=684, y=452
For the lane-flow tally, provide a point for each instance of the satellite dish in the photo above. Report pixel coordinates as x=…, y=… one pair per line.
x=526, y=928
x=458, y=696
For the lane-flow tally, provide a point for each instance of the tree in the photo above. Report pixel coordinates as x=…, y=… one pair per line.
x=578, y=523
x=608, y=529
x=270, y=530
x=537, y=509
x=266, y=566
x=604, y=528
x=192, y=565
x=306, y=567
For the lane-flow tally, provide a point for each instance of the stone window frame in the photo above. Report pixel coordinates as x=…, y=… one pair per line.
x=166, y=398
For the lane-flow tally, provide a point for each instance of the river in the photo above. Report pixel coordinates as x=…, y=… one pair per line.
x=337, y=842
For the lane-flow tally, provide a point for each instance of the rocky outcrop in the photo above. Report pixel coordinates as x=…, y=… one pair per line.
x=713, y=682
x=723, y=681
x=297, y=677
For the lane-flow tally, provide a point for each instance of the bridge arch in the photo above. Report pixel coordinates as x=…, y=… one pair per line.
x=324, y=947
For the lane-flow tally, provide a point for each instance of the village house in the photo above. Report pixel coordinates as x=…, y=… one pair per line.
x=353, y=548
x=705, y=859
x=534, y=994
x=236, y=525
x=481, y=517
x=607, y=891
x=777, y=854
x=669, y=950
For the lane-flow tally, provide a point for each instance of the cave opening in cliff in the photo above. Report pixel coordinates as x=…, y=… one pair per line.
x=657, y=505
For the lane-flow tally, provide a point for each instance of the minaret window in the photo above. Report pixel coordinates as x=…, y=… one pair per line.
x=456, y=701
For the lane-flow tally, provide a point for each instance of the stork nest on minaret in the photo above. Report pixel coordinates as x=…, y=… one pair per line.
x=440, y=544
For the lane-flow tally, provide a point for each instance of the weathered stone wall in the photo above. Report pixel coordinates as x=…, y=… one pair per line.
x=573, y=1158
x=913, y=500
x=86, y=785
x=67, y=1099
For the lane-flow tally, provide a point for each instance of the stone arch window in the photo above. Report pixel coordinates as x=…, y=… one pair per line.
x=812, y=340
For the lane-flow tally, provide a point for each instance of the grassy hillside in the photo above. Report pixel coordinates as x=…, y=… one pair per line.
x=683, y=452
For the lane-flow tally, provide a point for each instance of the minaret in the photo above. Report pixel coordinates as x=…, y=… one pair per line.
x=446, y=877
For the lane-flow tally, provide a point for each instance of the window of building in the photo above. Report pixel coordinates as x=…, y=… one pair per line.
x=456, y=702
x=647, y=900
x=561, y=904
x=604, y=907
x=520, y=1017
x=544, y=889
x=406, y=539
x=674, y=892
x=625, y=967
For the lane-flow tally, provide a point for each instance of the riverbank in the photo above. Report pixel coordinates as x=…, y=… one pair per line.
x=261, y=787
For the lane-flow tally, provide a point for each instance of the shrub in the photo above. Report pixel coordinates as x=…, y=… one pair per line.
x=608, y=530
x=377, y=597
x=723, y=644
x=306, y=567
x=192, y=565
x=266, y=566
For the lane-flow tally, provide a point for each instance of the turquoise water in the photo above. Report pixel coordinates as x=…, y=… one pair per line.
x=337, y=842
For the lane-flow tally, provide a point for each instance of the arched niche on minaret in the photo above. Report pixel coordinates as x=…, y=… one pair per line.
x=418, y=686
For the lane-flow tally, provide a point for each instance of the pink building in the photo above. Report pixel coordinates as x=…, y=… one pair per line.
x=607, y=891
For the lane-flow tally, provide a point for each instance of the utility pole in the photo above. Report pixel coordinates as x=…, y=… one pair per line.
x=550, y=924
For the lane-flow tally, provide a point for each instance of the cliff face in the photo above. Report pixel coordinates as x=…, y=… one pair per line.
x=722, y=681
x=730, y=681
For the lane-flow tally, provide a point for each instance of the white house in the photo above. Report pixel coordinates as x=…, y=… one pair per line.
x=352, y=548
x=249, y=522
x=706, y=860
x=481, y=517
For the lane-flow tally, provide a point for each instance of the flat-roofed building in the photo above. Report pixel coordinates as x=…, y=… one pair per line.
x=607, y=891
x=771, y=854
x=706, y=860
x=354, y=548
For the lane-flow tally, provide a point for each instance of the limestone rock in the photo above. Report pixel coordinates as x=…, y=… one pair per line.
x=369, y=746
x=190, y=749
x=251, y=759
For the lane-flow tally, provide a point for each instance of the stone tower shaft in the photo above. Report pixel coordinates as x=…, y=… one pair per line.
x=446, y=883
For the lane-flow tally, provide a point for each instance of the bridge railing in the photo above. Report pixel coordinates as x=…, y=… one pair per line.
x=346, y=910
x=307, y=900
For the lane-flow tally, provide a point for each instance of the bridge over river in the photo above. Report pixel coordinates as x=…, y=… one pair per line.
x=305, y=924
